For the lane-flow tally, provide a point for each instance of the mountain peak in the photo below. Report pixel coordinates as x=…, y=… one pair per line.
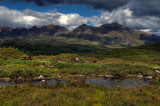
x=113, y=26
x=4, y=28
x=84, y=25
x=82, y=28
x=50, y=26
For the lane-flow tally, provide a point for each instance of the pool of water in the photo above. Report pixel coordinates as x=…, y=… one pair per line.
x=48, y=82
x=127, y=83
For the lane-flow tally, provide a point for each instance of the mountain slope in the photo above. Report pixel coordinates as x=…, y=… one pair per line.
x=34, y=31
x=107, y=34
x=113, y=34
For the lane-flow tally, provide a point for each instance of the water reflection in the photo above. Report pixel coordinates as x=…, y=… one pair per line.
x=127, y=83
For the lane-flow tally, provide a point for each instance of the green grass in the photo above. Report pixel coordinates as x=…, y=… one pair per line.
x=142, y=53
x=118, y=62
x=71, y=95
x=35, y=49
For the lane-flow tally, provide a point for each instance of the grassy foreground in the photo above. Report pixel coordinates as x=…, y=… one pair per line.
x=118, y=62
x=71, y=95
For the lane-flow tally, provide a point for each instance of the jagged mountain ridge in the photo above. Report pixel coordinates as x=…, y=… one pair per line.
x=107, y=34
x=34, y=31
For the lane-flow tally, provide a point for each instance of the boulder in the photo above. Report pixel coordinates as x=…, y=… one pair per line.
x=35, y=78
x=41, y=66
x=149, y=77
x=157, y=71
x=140, y=75
x=40, y=77
x=157, y=67
x=108, y=76
x=77, y=59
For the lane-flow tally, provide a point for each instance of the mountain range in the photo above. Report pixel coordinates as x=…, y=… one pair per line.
x=107, y=34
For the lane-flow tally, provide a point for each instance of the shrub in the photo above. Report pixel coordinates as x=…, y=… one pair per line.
x=11, y=53
x=71, y=58
x=118, y=73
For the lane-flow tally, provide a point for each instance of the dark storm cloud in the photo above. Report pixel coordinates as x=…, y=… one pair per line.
x=145, y=7
x=139, y=7
x=97, y=4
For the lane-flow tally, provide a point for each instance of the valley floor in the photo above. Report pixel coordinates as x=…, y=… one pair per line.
x=17, y=65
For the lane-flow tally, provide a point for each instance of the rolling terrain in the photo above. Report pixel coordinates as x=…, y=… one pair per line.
x=58, y=54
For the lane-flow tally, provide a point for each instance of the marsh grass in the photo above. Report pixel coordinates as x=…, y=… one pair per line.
x=120, y=62
x=76, y=94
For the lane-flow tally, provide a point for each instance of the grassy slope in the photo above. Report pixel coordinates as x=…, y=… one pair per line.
x=50, y=49
x=141, y=53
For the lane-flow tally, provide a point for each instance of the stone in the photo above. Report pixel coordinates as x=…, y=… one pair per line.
x=41, y=66
x=149, y=77
x=35, y=78
x=140, y=76
x=157, y=71
x=157, y=67
x=19, y=78
x=40, y=77
x=59, y=76
x=77, y=59
x=100, y=76
x=108, y=76
x=52, y=66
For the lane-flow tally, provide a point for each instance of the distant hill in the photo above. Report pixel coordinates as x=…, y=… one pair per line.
x=107, y=34
x=148, y=52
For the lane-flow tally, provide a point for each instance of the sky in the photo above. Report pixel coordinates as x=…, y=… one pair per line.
x=141, y=15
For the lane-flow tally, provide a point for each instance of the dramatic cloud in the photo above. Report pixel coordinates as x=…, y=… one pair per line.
x=125, y=16
x=98, y=4
x=136, y=14
x=145, y=7
x=29, y=18
x=139, y=7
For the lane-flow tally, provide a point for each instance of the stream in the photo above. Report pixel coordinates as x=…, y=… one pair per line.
x=126, y=83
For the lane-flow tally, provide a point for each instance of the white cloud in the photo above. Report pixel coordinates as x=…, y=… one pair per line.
x=28, y=18
x=123, y=15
